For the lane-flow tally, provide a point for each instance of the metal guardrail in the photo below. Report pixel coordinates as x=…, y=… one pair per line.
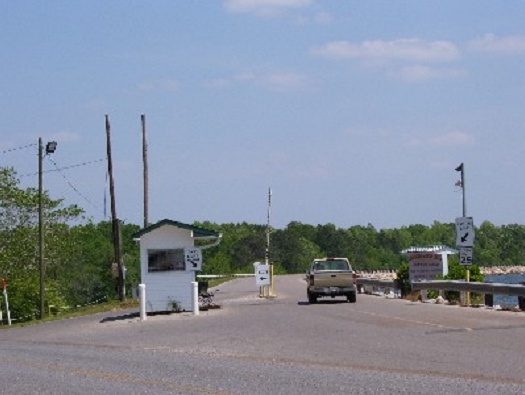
x=375, y=282
x=442, y=285
x=463, y=286
x=224, y=275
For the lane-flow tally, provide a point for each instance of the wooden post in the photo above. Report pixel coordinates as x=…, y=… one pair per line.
x=114, y=220
x=145, y=166
x=41, y=229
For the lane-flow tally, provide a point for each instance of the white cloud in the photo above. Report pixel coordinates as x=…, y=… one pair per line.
x=320, y=18
x=491, y=44
x=245, y=76
x=449, y=139
x=167, y=85
x=284, y=81
x=218, y=83
x=264, y=7
x=452, y=139
x=65, y=137
x=279, y=81
x=401, y=49
x=419, y=73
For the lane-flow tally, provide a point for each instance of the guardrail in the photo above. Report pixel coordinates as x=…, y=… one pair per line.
x=224, y=275
x=463, y=286
x=375, y=282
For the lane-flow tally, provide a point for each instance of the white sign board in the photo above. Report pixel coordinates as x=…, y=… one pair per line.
x=425, y=266
x=193, y=258
x=465, y=256
x=262, y=275
x=464, y=232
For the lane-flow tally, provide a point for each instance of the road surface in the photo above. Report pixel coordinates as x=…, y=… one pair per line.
x=272, y=346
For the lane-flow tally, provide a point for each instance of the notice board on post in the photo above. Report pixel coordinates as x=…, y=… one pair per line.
x=425, y=266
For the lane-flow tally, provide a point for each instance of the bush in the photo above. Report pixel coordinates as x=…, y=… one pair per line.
x=403, y=280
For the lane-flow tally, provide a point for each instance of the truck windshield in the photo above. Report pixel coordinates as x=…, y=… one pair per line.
x=331, y=265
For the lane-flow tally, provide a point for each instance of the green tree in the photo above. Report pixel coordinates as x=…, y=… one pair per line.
x=19, y=252
x=292, y=249
x=486, y=244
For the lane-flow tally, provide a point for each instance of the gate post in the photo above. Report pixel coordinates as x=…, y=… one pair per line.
x=142, y=301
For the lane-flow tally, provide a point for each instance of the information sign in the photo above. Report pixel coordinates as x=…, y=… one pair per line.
x=465, y=256
x=464, y=232
x=193, y=258
x=262, y=275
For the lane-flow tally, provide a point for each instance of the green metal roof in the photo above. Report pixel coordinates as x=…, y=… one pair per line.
x=197, y=233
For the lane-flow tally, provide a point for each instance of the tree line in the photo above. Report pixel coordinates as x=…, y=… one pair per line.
x=79, y=252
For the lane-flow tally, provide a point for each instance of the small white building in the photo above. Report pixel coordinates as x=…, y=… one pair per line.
x=169, y=258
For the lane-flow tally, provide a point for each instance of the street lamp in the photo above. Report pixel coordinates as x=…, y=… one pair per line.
x=50, y=148
x=461, y=169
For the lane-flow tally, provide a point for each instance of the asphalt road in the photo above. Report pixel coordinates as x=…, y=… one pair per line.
x=272, y=346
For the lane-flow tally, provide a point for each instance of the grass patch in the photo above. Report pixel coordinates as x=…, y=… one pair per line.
x=214, y=282
x=112, y=305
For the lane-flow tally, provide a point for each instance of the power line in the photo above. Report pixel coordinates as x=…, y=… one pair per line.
x=71, y=184
x=65, y=168
x=18, y=148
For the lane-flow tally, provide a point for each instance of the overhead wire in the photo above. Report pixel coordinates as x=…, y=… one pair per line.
x=59, y=170
x=64, y=168
x=70, y=183
x=17, y=148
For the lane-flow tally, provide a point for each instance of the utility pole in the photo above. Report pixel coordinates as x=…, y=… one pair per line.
x=267, y=255
x=145, y=166
x=268, y=231
x=115, y=226
x=41, y=229
x=50, y=148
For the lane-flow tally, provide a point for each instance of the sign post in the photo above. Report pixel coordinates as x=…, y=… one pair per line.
x=262, y=279
x=6, y=302
x=464, y=230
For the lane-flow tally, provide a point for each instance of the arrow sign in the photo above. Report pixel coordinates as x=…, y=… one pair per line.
x=193, y=258
x=464, y=232
x=261, y=275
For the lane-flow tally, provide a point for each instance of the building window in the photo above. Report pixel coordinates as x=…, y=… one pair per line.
x=166, y=260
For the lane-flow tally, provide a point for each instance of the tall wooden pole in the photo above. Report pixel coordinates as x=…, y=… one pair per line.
x=267, y=257
x=114, y=220
x=145, y=166
x=41, y=229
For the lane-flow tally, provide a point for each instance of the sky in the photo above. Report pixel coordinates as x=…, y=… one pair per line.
x=352, y=112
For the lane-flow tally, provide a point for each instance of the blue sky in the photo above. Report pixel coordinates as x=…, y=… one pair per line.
x=352, y=112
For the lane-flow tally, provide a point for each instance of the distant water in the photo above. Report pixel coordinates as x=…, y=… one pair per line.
x=504, y=300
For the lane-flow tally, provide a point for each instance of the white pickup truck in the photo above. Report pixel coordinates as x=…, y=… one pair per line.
x=331, y=277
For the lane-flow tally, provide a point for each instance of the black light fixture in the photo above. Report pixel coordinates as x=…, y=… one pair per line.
x=51, y=147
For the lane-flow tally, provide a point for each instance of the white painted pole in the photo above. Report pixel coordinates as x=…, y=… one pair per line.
x=142, y=301
x=195, y=293
x=6, y=302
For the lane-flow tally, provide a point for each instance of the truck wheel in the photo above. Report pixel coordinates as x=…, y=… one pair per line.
x=312, y=298
x=351, y=297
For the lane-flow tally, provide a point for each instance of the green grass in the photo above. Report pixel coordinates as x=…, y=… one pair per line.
x=76, y=312
x=214, y=282
x=111, y=305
